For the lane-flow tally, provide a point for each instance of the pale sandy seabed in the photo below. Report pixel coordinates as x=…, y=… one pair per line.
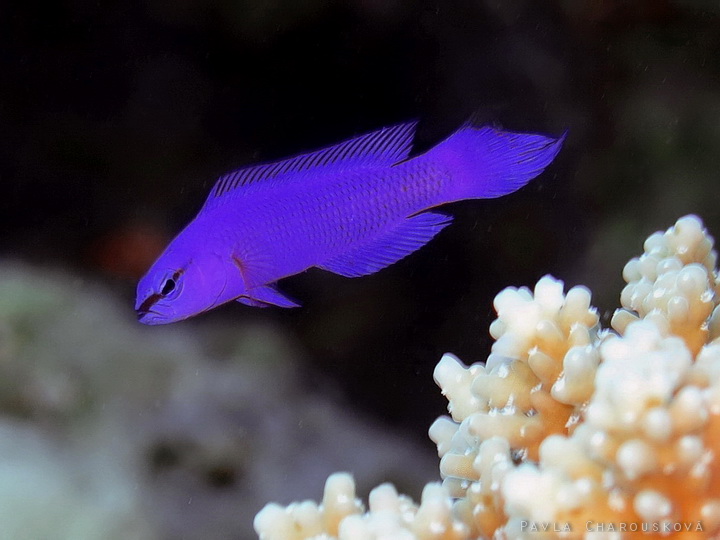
x=112, y=430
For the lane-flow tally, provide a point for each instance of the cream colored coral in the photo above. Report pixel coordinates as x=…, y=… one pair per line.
x=675, y=278
x=534, y=384
x=568, y=431
x=644, y=452
x=391, y=516
x=538, y=376
x=308, y=519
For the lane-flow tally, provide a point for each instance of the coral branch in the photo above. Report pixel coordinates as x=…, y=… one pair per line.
x=567, y=428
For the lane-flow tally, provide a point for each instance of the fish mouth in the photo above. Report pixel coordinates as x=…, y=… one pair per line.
x=151, y=317
x=147, y=315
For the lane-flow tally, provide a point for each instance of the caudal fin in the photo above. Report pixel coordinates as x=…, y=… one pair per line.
x=487, y=163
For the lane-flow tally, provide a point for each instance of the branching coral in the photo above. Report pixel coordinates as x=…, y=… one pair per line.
x=568, y=429
x=341, y=515
x=675, y=278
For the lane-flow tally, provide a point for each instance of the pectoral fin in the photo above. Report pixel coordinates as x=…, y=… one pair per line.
x=266, y=296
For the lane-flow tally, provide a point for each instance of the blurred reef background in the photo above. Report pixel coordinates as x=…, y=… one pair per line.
x=118, y=116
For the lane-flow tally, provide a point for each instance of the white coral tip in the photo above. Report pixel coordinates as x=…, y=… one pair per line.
x=273, y=523
x=449, y=371
x=652, y=505
x=636, y=458
x=549, y=293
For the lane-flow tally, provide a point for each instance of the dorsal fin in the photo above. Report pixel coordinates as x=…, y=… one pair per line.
x=385, y=146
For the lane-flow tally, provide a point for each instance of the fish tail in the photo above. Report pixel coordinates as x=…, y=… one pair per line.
x=487, y=163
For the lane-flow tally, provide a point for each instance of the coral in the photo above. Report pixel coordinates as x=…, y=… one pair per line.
x=675, y=279
x=341, y=515
x=568, y=428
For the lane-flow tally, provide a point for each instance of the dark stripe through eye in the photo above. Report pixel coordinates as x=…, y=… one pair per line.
x=148, y=303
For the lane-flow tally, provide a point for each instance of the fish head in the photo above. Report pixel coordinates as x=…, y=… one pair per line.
x=177, y=287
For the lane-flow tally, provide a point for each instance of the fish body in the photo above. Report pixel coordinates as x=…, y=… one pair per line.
x=352, y=209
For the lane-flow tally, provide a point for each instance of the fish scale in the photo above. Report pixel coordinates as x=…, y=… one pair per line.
x=352, y=209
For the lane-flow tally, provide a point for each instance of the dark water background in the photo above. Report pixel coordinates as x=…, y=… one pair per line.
x=116, y=117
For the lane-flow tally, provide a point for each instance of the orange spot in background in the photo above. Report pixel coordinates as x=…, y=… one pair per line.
x=129, y=250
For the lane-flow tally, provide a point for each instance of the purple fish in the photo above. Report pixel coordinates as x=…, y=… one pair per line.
x=352, y=209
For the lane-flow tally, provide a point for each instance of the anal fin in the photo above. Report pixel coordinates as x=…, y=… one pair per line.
x=409, y=236
x=266, y=296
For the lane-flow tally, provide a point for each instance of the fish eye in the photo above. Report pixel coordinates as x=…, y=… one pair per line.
x=171, y=283
x=168, y=287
